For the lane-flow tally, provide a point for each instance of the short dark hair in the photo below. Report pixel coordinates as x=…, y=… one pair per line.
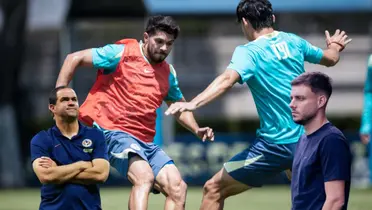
x=317, y=81
x=258, y=12
x=53, y=94
x=162, y=23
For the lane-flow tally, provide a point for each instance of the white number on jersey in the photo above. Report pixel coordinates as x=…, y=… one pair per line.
x=281, y=50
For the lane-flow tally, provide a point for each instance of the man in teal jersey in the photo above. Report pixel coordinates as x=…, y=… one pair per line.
x=268, y=64
x=366, y=119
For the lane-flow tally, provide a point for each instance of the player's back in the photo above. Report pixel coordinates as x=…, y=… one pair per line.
x=277, y=58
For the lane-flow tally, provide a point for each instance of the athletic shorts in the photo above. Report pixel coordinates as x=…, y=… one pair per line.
x=260, y=162
x=122, y=146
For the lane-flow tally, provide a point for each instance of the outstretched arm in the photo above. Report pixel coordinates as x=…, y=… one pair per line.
x=72, y=61
x=187, y=120
x=218, y=87
x=335, y=45
x=328, y=57
x=242, y=67
x=106, y=57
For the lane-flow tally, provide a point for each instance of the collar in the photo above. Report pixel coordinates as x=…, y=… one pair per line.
x=140, y=46
x=269, y=35
x=81, y=131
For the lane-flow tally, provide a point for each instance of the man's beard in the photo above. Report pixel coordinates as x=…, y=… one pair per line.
x=155, y=59
x=305, y=120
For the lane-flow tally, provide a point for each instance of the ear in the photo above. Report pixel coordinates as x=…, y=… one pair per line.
x=322, y=101
x=245, y=22
x=51, y=107
x=274, y=18
x=145, y=37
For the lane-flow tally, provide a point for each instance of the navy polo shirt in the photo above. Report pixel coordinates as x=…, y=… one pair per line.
x=87, y=145
x=320, y=157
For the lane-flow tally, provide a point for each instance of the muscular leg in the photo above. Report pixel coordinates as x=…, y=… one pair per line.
x=141, y=176
x=170, y=183
x=252, y=167
x=218, y=188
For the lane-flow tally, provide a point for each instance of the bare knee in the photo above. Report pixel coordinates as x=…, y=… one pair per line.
x=177, y=191
x=212, y=190
x=170, y=183
x=221, y=186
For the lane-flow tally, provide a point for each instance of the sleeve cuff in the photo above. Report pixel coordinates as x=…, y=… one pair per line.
x=240, y=74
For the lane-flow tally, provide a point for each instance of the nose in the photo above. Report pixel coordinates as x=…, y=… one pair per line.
x=164, y=48
x=71, y=103
x=292, y=105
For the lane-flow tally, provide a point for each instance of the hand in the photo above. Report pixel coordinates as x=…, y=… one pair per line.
x=205, y=133
x=364, y=138
x=338, y=40
x=180, y=107
x=46, y=162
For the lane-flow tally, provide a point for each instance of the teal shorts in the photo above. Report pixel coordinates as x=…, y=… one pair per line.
x=260, y=162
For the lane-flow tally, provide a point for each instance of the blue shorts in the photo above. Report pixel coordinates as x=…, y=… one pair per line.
x=260, y=161
x=122, y=146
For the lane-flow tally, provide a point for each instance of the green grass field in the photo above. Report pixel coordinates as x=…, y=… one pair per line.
x=266, y=198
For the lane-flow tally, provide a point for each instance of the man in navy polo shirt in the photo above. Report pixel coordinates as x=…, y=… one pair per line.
x=322, y=161
x=69, y=159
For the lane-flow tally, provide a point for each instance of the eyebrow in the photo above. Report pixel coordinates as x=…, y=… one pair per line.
x=65, y=98
x=172, y=40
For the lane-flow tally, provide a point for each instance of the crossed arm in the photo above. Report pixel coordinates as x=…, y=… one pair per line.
x=81, y=172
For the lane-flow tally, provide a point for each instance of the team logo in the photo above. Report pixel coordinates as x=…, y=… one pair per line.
x=86, y=143
x=135, y=146
x=148, y=71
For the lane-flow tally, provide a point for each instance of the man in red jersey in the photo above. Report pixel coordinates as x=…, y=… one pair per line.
x=133, y=81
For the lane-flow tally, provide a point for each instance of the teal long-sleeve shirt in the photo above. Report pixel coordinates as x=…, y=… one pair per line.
x=366, y=119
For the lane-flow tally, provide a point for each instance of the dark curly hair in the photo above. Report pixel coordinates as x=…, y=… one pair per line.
x=162, y=23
